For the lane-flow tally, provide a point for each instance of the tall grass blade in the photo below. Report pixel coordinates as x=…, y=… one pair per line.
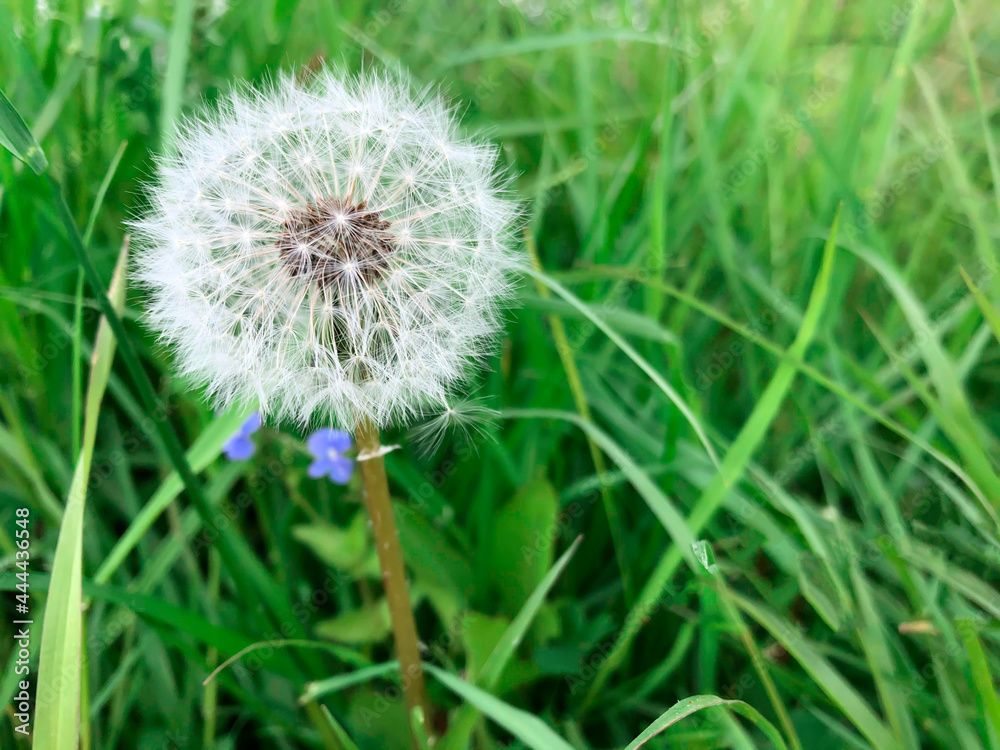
x=61, y=657
x=732, y=468
x=16, y=138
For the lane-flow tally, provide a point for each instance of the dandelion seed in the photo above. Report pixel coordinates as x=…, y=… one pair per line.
x=467, y=417
x=330, y=250
x=240, y=447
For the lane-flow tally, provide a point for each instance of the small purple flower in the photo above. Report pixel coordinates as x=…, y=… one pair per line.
x=240, y=447
x=328, y=446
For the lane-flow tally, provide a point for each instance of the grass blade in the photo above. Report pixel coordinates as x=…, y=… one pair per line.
x=632, y=354
x=981, y=673
x=334, y=736
x=61, y=658
x=683, y=709
x=732, y=468
x=465, y=722
x=531, y=730
x=205, y=449
x=822, y=672
x=989, y=312
x=493, y=668
x=16, y=138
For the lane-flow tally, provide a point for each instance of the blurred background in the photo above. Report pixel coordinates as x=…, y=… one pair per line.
x=775, y=430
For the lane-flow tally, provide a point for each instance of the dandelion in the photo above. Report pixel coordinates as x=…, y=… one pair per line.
x=240, y=447
x=328, y=250
x=332, y=249
x=327, y=447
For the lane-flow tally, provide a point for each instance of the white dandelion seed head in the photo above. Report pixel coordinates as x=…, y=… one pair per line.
x=330, y=249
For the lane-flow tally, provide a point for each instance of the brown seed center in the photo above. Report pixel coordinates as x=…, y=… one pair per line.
x=334, y=242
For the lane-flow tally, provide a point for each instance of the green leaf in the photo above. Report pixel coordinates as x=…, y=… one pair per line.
x=61, y=656
x=430, y=554
x=16, y=138
x=668, y=390
x=733, y=465
x=206, y=448
x=369, y=624
x=981, y=673
x=155, y=610
x=507, y=644
x=531, y=730
x=480, y=636
x=319, y=688
x=488, y=635
x=989, y=312
x=814, y=581
x=840, y=691
x=623, y=321
x=523, y=538
x=954, y=410
x=683, y=709
x=344, y=549
x=334, y=736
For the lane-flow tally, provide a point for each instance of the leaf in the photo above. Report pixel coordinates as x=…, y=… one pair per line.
x=480, y=636
x=60, y=663
x=989, y=312
x=430, y=554
x=955, y=411
x=814, y=581
x=12, y=448
x=545, y=42
x=206, y=448
x=369, y=624
x=624, y=321
x=683, y=709
x=344, y=549
x=481, y=633
x=16, y=138
x=344, y=654
x=319, y=688
x=175, y=619
x=156, y=428
x=531, y=730
x=833, y=683
x=981, y=673
x=523, y=537
x=733, y=465
x=631, y=353
x=514, y=634
x=334, y=736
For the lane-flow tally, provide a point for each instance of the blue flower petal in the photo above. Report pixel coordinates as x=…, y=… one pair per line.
x=340, y=441
x=319, y=443
x=251, y=425
x=318, y=468
x=340, y=470
x=239, y=448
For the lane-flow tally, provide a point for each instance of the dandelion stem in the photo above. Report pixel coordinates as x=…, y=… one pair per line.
x=390, y=556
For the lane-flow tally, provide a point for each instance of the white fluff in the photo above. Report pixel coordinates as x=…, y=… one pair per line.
x=330, y=248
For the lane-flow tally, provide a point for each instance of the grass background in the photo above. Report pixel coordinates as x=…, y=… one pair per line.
x=779, y=443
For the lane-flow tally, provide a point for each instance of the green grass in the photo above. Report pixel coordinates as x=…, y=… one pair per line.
x=762, y=313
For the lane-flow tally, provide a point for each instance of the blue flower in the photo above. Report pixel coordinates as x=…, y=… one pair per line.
x=240, y=447
x=328, y=446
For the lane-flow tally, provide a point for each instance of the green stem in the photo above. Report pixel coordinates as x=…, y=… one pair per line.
x=390, y=556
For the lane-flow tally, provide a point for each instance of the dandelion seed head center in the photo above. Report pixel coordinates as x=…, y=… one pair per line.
x=323, y=242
